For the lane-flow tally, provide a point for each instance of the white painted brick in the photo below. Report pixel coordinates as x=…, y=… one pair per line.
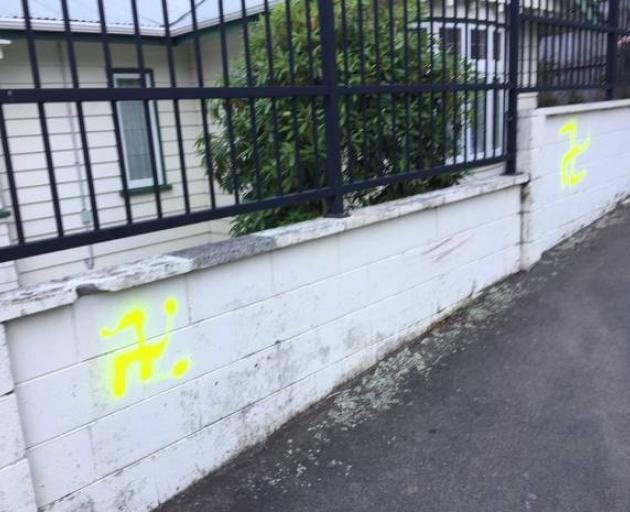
x=246, y=381
x=61, y=466
x=83, y=393
x=554, y=212
x=237, y=334
x=144, y=428
x=239, y=384
x=93, y=312
x=478, y=243
x=391, y=315
x=16, y=489
x=55, y=404
x=354, y=290
x=6, y=373
x=11, y=440
x=465, y=282
x=318, y=348
x=129, y=490
x=41, y=343
x=256, y=327
x=308, y=307
x=361, y=246
x=465, y=215
x=227, y=287
x=305, y=264
x=184, y=344
x=377, y=281
x=179, y=466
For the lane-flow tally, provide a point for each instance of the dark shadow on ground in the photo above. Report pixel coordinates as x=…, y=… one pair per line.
x=520, y=402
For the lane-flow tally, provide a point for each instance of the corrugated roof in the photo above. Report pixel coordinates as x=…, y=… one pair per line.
x=46, y=15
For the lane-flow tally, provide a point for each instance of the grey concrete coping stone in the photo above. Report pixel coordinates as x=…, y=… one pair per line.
x=578, y=108
x=30, y=300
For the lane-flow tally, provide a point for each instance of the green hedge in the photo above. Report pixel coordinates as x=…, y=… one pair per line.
x=408, y=133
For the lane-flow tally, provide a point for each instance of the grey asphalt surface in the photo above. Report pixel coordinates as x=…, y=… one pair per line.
x=520, y=402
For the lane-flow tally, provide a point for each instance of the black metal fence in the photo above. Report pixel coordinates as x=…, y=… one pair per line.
x=581, y=46
x=233, y=107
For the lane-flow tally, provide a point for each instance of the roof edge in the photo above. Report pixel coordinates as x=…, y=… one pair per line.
x=90, y=27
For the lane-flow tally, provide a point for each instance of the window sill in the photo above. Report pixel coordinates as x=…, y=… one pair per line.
x=140, y=191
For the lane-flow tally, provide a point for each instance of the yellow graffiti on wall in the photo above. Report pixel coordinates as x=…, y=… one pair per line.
x=144, y=354
x=569, y=173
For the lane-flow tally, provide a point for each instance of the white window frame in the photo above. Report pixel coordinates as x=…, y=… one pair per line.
x=155, y=134
x=465, y=29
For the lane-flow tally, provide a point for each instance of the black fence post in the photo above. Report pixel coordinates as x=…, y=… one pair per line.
x=328, y=38
x=611, y=54
x=514, y=25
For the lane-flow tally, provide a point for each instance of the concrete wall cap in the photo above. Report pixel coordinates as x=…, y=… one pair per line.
x=38, y=298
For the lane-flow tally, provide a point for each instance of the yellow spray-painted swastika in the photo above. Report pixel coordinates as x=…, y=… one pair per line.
x=570, y=176
x=143, y=354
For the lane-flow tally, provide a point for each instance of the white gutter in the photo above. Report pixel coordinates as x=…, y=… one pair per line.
x=93, y=27
x=78, y=26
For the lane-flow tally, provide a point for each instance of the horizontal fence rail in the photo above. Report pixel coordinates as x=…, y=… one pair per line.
x=581, y=46
x=156, y=115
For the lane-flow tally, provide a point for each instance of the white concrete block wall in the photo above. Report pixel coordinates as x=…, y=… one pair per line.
x=266, y=336
x=553, y=210
x=16, y=487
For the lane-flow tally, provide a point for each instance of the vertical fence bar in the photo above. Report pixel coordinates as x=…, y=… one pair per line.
x=107, y=56
x=611, y=54
x=172, y=73
x=249, y=73
x=15, y=203
x=74, y=72
x=144, y=84
x=271, y=78
x=43, y=120
x=293, y=101
x=331, y=105
x=311, y=76
x=225, y=65
x=514, y=22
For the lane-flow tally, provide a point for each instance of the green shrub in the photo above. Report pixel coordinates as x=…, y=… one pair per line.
x=379, y=135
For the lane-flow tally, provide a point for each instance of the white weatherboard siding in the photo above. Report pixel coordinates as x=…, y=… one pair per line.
x=30, y=165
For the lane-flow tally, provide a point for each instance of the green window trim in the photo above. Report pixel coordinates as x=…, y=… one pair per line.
x=140, y=191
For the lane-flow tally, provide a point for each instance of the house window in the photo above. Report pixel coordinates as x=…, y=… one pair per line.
x=478, y=43
x=498, y=45
x=451, y=38
x=482, y=47
x=139, y=137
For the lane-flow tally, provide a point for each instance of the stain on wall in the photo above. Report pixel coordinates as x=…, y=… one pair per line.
x=141, y=359
x=570, y=175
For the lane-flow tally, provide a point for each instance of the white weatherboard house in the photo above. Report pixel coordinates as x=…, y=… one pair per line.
x=484, y=49
x=25, y=135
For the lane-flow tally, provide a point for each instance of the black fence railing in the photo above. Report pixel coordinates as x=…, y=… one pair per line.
x=140, y=116
x=581, y=46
